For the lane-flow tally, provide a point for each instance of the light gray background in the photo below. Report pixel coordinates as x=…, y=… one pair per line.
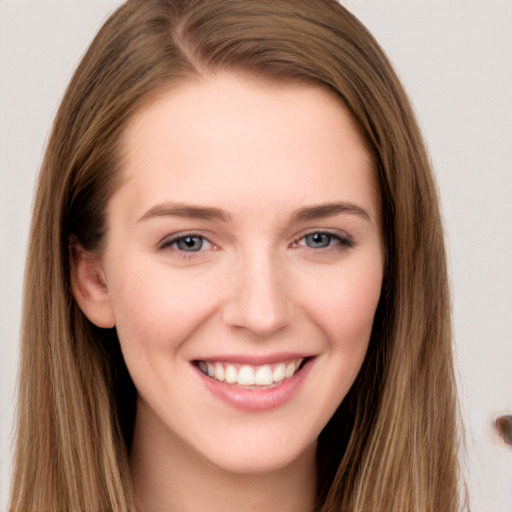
x=455, y=59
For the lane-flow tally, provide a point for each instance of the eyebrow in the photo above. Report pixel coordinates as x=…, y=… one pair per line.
x=304, y=214
x=188, y=211
x=330, y=209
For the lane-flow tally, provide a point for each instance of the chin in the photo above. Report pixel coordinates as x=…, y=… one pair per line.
x=261, y=456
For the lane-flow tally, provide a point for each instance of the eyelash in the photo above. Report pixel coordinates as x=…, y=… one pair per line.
x=342, y=243
x=168, y=243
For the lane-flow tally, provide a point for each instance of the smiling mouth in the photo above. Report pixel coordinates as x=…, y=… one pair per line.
x=252, y=376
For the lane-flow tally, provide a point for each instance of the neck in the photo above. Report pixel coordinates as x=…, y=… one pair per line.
x=170, y=475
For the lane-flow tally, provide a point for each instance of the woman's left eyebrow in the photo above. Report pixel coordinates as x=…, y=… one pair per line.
x=329, y=209
x=188, y=211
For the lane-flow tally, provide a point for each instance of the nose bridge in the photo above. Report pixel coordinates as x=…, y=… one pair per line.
x=259, y=300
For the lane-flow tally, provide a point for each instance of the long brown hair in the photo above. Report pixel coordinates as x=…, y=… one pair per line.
x=392, y=444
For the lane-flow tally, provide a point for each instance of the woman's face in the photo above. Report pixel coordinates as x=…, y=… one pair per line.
x=243, y=267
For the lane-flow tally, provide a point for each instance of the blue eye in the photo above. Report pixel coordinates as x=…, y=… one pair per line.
x=318, y=240
x=324, y=240
x=187, y=243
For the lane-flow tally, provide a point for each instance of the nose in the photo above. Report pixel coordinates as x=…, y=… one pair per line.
x=258, y=298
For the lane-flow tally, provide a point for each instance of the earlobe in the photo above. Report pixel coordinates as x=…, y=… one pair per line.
x=89, y=285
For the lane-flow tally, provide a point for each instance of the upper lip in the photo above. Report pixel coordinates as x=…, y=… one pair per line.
x=254, y=359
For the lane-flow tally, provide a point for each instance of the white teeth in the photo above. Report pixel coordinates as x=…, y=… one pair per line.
x=290, y=370
x=230, y=375
x=264, y=376
x=219, y=372
x=278, y=373
x=246, y=376
x=249, y=375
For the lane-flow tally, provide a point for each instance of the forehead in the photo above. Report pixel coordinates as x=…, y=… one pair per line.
x=227, y=132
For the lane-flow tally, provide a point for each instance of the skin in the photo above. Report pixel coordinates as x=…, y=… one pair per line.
x=258, y=285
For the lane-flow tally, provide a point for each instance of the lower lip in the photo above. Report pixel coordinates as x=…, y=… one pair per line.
x=256, y=400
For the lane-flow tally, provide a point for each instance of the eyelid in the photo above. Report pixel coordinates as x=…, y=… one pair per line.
x=345, y=240
x=169, y=240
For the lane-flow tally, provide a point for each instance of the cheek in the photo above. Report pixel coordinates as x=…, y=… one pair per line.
x=345, y=306
x=343, y=309
x=346, y=318
x=156, y=309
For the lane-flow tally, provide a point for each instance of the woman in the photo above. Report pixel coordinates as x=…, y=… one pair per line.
x=236, y=275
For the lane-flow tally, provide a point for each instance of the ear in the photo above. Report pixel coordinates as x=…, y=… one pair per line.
x=89, y=285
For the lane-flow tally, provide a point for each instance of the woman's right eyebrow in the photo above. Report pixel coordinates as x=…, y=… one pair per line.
x=188, y=211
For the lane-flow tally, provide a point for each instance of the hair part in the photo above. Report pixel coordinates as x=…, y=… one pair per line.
x=392, y=444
